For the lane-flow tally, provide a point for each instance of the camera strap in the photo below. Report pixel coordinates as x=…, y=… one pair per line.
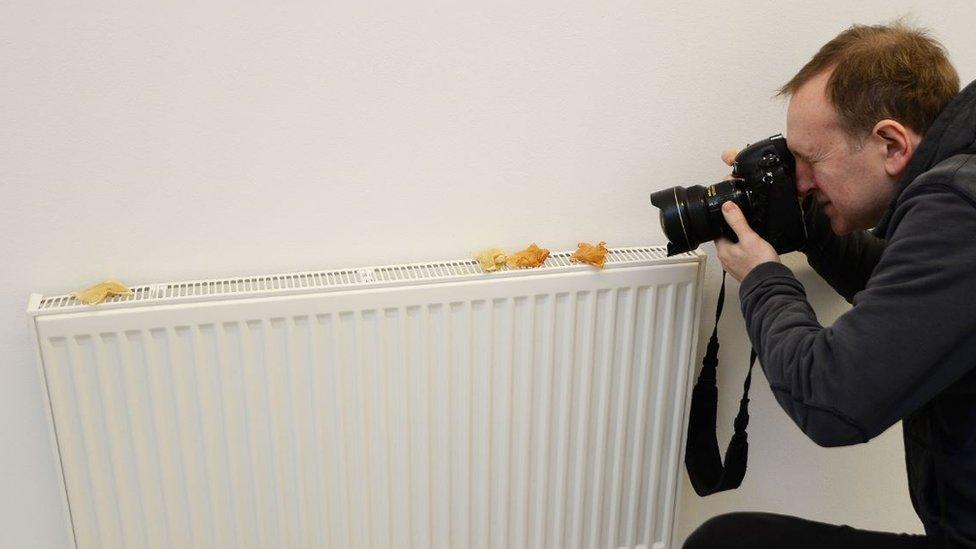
x=706, y=470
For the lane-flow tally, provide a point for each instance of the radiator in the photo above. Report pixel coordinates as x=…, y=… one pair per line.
x=409, y=406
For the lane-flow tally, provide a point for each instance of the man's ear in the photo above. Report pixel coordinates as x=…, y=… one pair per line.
x=899, y=143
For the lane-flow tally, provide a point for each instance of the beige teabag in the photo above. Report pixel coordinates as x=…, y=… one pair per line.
x=100, y=292
x=533, y=256
x=594, y=255
x=491, y=260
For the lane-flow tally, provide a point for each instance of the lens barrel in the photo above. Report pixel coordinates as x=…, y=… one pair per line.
x=686, y=216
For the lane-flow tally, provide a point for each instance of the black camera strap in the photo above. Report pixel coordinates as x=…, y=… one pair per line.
x=702, y=459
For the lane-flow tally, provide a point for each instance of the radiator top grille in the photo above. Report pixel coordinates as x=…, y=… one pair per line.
x=345, y=279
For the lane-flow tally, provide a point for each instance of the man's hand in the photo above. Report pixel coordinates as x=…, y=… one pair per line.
x=740, y=258
x=728, y=156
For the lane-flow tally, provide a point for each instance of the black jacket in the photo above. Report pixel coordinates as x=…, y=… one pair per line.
x=907, y=349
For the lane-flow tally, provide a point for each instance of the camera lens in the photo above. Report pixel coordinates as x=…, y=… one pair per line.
x=692, y=215
x=684, y=217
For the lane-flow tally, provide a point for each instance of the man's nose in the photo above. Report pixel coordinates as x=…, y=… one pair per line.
x=804, y=180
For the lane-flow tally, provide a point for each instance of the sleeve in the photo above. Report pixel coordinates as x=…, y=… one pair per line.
x=909, y=335
x=845, y=262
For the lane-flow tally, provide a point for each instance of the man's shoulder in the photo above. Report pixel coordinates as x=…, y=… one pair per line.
x=956, y=174
x=946, y=191
x=957, y=170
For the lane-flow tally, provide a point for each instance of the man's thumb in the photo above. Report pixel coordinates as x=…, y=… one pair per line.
x=735, y=219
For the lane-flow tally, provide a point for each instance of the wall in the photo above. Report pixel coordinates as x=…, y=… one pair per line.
x=154, y=141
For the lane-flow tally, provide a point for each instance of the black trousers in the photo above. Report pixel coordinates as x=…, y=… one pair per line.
x=762, y=530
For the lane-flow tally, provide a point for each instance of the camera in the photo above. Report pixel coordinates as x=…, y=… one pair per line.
x=763, y=185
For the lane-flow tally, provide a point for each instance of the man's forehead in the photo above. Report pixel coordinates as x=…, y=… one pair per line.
x=810, y=114
x=801, y=129
x=810, y=107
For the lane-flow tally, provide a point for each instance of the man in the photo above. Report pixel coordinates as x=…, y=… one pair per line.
x=907, y=349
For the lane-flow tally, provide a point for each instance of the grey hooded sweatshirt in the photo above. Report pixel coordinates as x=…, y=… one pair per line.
x=906, y=350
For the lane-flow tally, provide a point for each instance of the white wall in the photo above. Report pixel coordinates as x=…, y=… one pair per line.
x=154, y=141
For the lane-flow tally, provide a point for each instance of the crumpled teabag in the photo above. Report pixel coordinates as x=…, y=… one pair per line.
x=491, y=260
x=593, y=255
x=100, y=292
x=533, y=256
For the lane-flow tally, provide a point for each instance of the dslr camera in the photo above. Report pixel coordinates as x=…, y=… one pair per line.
x=763, y=185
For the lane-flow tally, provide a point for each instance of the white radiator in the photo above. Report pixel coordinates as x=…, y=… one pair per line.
x=410, y=406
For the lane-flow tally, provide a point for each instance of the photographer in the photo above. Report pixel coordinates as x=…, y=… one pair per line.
x=883, y=140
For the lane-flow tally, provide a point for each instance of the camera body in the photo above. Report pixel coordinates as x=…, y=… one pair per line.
x=763, y=185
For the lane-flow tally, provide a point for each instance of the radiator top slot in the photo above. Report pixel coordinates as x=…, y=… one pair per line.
x=346, y=279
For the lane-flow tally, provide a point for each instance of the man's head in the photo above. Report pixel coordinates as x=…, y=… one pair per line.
x=857, y=112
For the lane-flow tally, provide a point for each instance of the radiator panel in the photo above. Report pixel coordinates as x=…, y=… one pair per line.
x=539, y=410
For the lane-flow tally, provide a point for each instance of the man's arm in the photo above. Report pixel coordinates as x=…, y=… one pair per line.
x=908, y=337
x=845, y=262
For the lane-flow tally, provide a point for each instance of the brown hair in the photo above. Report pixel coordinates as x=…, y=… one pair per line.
x=883, y=71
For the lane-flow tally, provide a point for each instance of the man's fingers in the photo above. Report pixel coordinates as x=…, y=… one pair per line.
x=728, y=156
x=735, y=219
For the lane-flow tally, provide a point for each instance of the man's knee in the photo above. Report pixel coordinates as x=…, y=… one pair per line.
x=719, y=532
